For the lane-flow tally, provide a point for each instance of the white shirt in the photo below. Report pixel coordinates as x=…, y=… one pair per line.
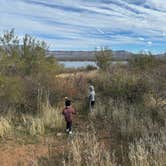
x=92, y=95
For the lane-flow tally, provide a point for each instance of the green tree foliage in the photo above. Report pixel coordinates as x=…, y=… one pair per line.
x=25, y=69
x=103, y=58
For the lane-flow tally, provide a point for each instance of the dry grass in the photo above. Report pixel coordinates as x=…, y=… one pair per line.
x=48, y=118
x=33, y=125
x=5, y=127
x=87, y=150
x=149, y=151
x=52, y=117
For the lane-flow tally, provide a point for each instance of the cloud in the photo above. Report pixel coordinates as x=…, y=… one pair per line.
x=86, y=24
x=149, y=43
x=141, y=38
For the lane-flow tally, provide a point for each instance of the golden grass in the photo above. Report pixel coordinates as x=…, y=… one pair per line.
x=33, y=125
x=85, y=149
x=148, y=151
x=52, y=117
x=48, y=118
x=5, y=127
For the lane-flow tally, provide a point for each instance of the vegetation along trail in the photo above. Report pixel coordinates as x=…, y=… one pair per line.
x=125, y=128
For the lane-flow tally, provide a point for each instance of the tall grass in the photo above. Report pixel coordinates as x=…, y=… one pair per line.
x=86, y=150
x=48, y=119
x=148, y=151
x=33, y=125
x=138, y=132
x=52, y=117
x=5, y=127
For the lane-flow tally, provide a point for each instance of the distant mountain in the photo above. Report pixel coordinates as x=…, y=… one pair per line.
x=87, y=55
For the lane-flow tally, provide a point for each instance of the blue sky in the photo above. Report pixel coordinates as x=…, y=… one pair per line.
x=133, y=25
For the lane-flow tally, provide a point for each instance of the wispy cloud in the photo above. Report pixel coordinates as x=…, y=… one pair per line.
x=86, y=24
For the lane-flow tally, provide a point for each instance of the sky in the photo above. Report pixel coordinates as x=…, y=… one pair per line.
x=131, y=25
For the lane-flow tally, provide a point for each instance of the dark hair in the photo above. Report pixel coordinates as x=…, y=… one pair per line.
x=67, y=103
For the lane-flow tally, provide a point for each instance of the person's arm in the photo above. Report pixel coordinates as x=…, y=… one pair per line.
x=90, y=95
x=73, y=111
x=63, y=113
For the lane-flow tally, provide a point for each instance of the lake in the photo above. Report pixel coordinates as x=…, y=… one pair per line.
x=78, y=64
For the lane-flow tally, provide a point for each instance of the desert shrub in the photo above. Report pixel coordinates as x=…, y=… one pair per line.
x=12, y=91
x=73, y=86
x=103, y=58
x=122, y=85
x=25, y=70
x=143, y=61
x=91, y=67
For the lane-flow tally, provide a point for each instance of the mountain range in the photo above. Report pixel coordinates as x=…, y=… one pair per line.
x=90, y=55
x=87, y=55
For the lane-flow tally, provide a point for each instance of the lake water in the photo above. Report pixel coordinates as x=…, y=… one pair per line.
x=78, y=64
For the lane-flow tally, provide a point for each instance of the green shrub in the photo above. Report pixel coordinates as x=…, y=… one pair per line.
x=91, y=67
x=122, y=85
x=103, y=58
x=26, y=72
x=12, y=90
x=143, y=61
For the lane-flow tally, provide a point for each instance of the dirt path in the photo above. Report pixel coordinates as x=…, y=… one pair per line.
x=12, y=153
x=26, y=151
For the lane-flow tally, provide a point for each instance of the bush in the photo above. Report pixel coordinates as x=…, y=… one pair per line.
x=143, y=61
x=25, y=70
x=121, y=85
x=91, y=67
x=12, y=90
x=103, y=59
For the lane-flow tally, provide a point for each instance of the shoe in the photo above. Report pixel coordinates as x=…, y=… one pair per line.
x=67, y=130
x=70, y=132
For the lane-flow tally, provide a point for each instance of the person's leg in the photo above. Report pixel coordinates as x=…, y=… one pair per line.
x=67, y=126
x=92, y=105
x=70, y=127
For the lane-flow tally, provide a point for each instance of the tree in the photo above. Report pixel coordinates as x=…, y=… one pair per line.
x=25, y=70
x=103, y=58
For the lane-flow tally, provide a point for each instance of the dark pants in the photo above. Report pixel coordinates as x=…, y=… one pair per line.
x=92, y=104
x=69, y=125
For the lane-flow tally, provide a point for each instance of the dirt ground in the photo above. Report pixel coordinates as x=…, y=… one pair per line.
x=12, y=153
